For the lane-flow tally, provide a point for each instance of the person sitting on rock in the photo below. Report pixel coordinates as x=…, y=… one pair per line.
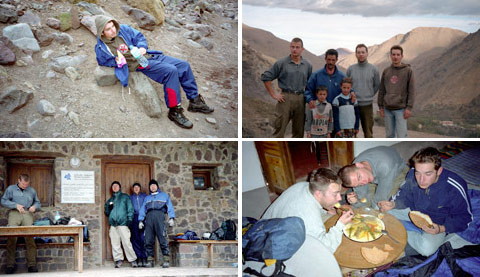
x=171, y=72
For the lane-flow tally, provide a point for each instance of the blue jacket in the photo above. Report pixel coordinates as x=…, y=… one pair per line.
x=346, y=114
x=321, y=77
x=446, y=201
x=131, y=37
x=137, y=201
x=157, y=201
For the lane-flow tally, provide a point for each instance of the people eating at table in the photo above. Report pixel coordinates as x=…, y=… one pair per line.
x=437, y=192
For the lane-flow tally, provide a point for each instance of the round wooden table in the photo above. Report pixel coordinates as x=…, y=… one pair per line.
x=348, y=253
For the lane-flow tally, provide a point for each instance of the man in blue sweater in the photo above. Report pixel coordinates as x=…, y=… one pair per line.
x=435, y=191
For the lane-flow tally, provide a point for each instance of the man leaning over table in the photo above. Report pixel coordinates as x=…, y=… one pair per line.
x=437, y=192
x=22, y=200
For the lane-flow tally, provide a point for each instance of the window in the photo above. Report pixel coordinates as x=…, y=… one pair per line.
x=205, y=177
x=41, y=176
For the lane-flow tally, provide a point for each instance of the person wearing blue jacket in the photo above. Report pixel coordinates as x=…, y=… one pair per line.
x=153, y=211
x=115, y=40
x=346, y=114
x=437, y=192
x=138, y=237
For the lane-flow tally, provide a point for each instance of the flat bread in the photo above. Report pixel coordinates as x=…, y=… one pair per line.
x=388, y=247
x=420, y=219
x=374, y=255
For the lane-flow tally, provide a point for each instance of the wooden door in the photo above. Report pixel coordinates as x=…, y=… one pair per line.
x=340, y=153
x=276, y=164
x=304, y=158
x=41, y=178
x=127, y=173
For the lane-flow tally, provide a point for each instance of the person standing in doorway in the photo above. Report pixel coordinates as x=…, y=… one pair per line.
x=138, y=238
x=119, y=210
x=22, y=201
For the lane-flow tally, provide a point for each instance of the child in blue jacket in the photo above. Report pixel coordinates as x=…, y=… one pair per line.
x=115, y=40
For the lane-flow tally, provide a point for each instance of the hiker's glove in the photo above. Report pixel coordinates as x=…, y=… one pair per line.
x=171, y=222
x=141, y=225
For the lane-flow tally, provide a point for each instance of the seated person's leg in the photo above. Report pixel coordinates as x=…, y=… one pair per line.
x=400, y=214
x=425, y=244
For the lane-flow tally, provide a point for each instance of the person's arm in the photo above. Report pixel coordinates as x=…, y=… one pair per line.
x=130, y=210
x=404, y=197
x=170, y=210
x=310, y=89
x=107, y=207
x=357, y=115
x=376, y=80
x=268, y=76
x=381, y=94
x=330, y=121
x=142, y=212
x=336, y=111
x=276, y=96
x=308, y=119
x=460, y=214
x=7, y=200
x=36, y=202
x=104, y=58
x=138, y=39
x=410, y=95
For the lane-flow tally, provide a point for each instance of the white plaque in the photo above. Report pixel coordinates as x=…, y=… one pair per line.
x=78, y=186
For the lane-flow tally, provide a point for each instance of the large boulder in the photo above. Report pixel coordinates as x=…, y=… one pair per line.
x=153, y=7
x=13, y=99
x=147, y=94
x=8, y=14
x=22, y=37
x=60, y=63
x=144, y=20
x=105, y=76
x=7, y=57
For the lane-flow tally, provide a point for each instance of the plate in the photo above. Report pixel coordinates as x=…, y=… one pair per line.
x=364, y=228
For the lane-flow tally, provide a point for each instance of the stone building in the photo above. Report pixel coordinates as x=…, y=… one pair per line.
x=200, y=177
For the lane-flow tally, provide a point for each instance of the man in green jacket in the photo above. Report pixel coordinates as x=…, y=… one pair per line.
x=119, y=210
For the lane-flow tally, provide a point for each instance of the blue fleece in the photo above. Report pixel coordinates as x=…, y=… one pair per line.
x=322, y=78
x=446, y=201
x=158, y=201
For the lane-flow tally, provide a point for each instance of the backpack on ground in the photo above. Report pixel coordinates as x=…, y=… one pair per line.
x=227, y=231
x=273, y=241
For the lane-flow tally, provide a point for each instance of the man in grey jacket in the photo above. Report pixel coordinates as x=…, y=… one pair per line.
x=22, y=201
x=381, y=165
x=366, y=81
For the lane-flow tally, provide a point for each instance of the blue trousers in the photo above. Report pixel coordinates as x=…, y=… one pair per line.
x=172, y=73
x=138, y=239
x=155, y=227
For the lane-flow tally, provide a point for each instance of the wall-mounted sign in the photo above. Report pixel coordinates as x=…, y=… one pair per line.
x=78, y=186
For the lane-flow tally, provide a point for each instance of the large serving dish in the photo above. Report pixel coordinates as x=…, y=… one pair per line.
x=364, y=228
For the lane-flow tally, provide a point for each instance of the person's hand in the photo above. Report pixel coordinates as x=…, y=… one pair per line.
x=352, y=197
x=332, y=211
x=143, y=51
x=386, y=205
x=407, y=113
x=141, y=225
x=356, y=132
x=171, y=222
x=381, y=112
x=435, y=229
x=278, y=97
x=21, y=208
x=110, y=205
x=353, y=96
x=32, y=209
x=311, y=104
x=328, y=135
x=337, y=134
x=309, y=135
x=346, y=217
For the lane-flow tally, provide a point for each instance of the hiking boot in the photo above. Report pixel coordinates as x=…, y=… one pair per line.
x=150, y=262
x=118, y=264
x=175, y=114
x=134, y=264
x=198, y=105
x=9, y=270
x=166, y=261
x=32, y=269
x=140, y=262
x=166, y=265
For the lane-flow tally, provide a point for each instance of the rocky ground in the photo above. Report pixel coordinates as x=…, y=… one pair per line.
x=82, y=108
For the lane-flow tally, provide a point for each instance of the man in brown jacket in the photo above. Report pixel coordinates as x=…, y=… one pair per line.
x=396, y=95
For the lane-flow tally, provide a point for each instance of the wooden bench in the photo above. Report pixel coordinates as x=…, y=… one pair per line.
x=76, y=231
x=209, y=244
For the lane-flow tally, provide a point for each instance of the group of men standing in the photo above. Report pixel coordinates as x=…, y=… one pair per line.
x=395, y=87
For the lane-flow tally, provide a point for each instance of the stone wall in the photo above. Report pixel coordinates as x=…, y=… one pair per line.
x=200, y=211
x=196, y=255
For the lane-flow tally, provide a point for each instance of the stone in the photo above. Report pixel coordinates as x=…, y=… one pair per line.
x=204, y=29
x=7, y=56
x=74, y=117
x=72, y=73
x=8, y=14
x=31, y=19
x=211, y=120
x=13, y=99
x=194, y=44
x=207, y=43
x=193, y=35
x=51, y=74
x=63, y=38
x=154, y=7
x=53, y=23
x=22, y=37
x=65, y=21
x=46, y=54
x=88, y=22
x=45, y=108
x=105, y=76
x=226, y=26
x=122, y=108
x=174, y=29
x=16, y=135
x=44, y=38
x=147, y=94
x=91, y=8
x=144, y=20
x=75, y=17
x=173, y=23
x=60, y=63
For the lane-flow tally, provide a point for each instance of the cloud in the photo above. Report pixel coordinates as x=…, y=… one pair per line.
x=380, y=8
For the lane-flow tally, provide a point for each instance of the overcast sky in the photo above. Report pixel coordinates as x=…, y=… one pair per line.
x=325, y=24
